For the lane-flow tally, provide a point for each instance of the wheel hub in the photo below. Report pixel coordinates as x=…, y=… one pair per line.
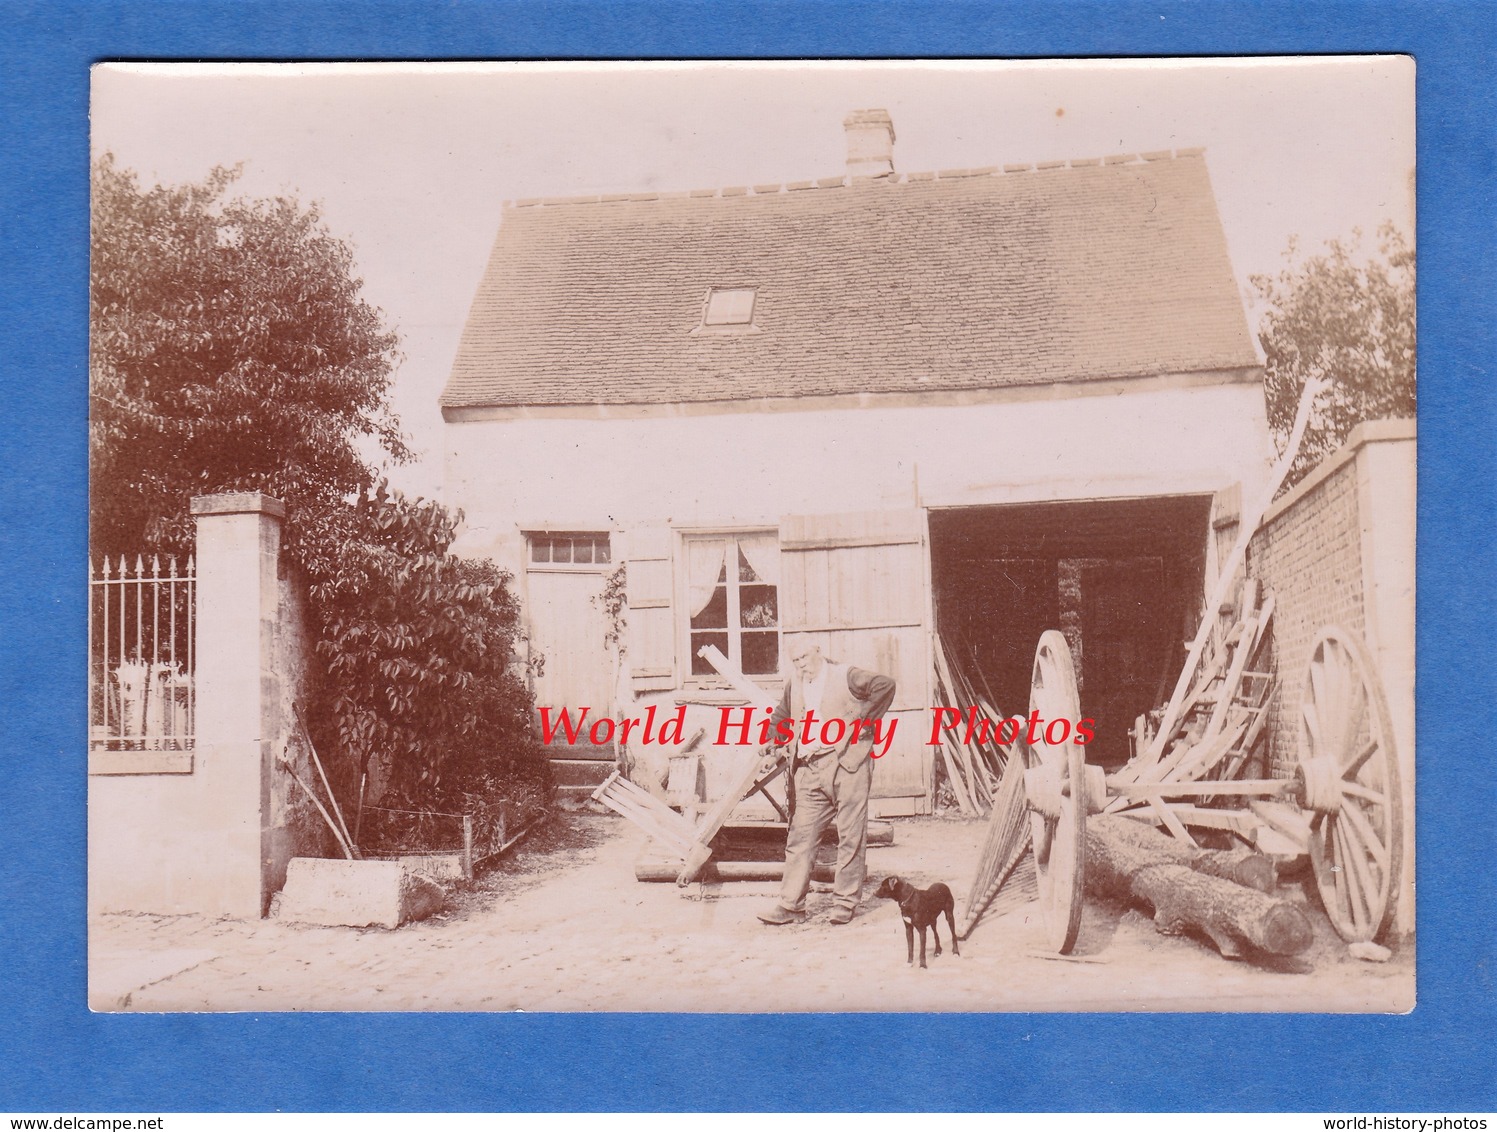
x=1320, y=784
x=1044, y=787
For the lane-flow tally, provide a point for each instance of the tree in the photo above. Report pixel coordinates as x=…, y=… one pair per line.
x=232, y=350
x=1347, y=319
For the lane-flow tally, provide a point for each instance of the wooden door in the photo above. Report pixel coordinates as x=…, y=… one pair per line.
x=859, y=583
x=568, y=628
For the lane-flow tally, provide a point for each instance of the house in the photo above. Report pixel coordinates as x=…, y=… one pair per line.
x=868, y=407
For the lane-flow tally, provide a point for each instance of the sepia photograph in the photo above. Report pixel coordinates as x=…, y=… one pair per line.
x=752, y=537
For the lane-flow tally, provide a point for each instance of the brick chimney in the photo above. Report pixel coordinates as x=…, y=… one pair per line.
x=870, y=143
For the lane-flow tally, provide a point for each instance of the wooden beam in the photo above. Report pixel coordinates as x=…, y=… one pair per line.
x=1234, y=561
x=1266, y=787
x=1233, y=821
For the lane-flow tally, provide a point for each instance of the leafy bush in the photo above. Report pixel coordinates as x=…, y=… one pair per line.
x=418, y=688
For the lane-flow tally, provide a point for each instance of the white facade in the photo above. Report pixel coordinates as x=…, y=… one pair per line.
x=530, y=469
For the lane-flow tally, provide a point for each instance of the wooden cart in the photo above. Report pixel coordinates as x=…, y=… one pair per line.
x=1342, y=805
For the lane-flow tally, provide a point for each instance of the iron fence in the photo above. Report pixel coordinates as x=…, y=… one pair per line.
x=141, y=623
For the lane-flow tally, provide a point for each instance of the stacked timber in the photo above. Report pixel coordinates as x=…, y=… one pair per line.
x=973, y=753
x=1193, y=752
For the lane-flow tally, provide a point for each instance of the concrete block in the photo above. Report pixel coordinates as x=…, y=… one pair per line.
x=356, y=894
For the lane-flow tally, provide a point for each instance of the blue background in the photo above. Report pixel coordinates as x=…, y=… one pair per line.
x=55, y=1055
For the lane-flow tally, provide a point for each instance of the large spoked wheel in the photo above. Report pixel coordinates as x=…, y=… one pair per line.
x=1349, y=781
x=1056, y=791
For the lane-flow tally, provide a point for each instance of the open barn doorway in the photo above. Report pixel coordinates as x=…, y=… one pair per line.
x=1122, y=579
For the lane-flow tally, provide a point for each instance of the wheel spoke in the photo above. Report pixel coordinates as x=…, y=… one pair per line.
x=1366, y=793
x=1352, y=874
x=1312, y=726
x=1359, y=712
x=1335, y=872
x=1333, y=718
x=1324, y=719
x=1351, y=710
x=1359, y=824
x=1362, y=868
x=1351, y=769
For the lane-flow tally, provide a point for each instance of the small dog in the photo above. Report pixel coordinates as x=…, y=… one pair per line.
x=921, y=908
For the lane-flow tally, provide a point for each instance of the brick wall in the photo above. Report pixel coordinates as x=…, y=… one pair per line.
x=1310, y=555
x=1339, y=550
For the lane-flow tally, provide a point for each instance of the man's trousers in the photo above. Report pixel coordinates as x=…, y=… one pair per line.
x=825, y=792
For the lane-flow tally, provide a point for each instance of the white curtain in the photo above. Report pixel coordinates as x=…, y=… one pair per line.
x=763, y=554
x=704, y=562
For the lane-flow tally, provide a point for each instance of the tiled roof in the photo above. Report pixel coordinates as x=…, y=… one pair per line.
x=964, y=279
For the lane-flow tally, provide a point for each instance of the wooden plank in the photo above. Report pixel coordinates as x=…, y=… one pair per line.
x=1293, y=824
x=1166, y=815
x=649, y=814
x=755, y=695
x=1247, y=635
x=699, y=854
x=1203, y=757
x=828, y=627
x=1264, y=786
x=1246, y=531
x=813, y=564
x=1198, y=753
x=644, y=810
x=1233, y=821
x=851, y=529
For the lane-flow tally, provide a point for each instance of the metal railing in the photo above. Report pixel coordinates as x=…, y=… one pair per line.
x=141, y=624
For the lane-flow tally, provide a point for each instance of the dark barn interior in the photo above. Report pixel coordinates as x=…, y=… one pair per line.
x=1120, y=578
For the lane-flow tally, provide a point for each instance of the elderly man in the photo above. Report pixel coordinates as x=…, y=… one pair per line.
x=830, y=781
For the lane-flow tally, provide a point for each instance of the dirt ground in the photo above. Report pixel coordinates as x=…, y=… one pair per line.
x=563, y=925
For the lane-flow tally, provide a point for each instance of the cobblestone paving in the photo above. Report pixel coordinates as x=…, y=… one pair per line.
x=569, y=928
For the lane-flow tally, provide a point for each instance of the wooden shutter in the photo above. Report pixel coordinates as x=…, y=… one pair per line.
x=859, y=582
x=651, y=656
x=1226, y=524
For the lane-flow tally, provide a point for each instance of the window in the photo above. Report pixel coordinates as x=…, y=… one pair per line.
x=570, y=548
x=729, y=309
x=733, y=600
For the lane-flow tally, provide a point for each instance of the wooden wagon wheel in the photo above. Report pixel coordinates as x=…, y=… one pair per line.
x=1003, y=847
x=1348, y=779
x=1056, y=791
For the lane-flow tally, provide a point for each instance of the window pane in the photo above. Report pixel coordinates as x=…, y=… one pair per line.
x=700, y=667
x=761, y=653
x=729, y=307
x=540, y=549
x=758, y=607
x=561, y=550
x=714, y=614
x=602, y=549
x=745, y=571
x=582, y=548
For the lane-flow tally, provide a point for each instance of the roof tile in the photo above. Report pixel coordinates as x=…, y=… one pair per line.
x=979, y=282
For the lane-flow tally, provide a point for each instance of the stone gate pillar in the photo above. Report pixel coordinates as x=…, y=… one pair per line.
x=238, y=688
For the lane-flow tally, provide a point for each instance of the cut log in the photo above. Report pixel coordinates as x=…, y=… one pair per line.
x=662, y=869
x=1193, y=890
x=1240, y=866
x=765, y=841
